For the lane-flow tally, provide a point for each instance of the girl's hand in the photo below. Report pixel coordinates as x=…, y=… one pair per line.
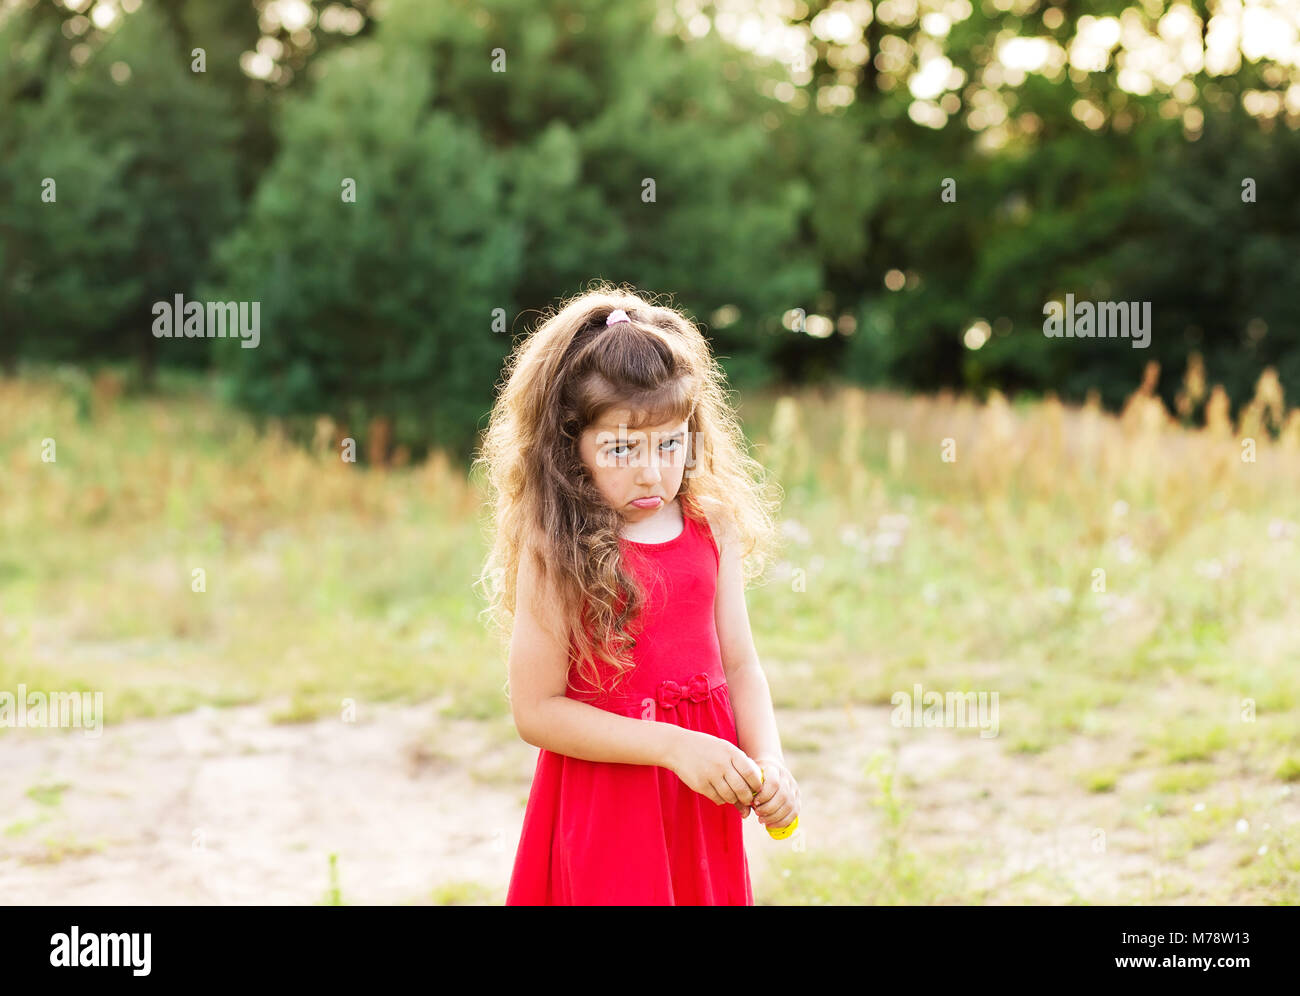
x=777, y=803
x=716, y=768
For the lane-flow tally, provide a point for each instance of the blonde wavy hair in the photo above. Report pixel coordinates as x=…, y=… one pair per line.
x=563, y=377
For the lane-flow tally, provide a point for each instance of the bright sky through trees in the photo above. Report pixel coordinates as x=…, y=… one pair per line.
x=1153, y=46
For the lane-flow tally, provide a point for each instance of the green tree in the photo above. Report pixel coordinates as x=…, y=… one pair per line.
x=140, y=150
x=479, y=190
x=1065, y=181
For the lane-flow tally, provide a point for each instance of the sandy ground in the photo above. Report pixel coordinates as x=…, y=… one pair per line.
x=226, y=807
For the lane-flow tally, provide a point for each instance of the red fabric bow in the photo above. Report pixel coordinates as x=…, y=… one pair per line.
x=670, y=692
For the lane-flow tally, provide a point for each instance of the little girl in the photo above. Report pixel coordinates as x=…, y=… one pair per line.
x=625, y=508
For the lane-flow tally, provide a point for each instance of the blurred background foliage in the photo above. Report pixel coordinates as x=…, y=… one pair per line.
x=798, y=154
x=1125, y=583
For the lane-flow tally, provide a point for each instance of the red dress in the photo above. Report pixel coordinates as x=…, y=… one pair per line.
x=600, y=833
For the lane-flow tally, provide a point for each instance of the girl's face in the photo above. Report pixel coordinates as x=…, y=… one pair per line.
x=630, y=464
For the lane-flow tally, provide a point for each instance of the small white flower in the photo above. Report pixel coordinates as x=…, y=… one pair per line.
x=1242, y=826
x=1119, y=509
x=1124, y=549
x=930, y=592
x=851, y=536
x=1199, y=807
x=1263, y=849
x=889, y=539
x=1211, y=569
x=795, y=531
x=1061, y=595
x=1118, y=607
x=1281, y=529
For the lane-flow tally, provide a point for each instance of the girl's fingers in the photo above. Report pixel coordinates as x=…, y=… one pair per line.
x=726, y=794
x=773, y=807
x=782, y=816
x=735, y=786
x=772, y=790
x=752, y=777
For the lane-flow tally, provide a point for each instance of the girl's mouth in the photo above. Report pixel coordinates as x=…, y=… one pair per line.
x=647, y=503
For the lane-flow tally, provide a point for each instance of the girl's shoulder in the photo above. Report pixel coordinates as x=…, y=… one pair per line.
x=716, y=522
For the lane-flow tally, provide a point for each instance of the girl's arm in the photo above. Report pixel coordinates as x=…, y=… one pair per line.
x=751, y=698
x=545, y=717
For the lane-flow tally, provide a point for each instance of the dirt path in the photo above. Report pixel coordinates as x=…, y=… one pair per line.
x=223, y=806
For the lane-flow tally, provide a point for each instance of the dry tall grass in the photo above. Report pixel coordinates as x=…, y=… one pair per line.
x=187, y=463
x=1048, y=452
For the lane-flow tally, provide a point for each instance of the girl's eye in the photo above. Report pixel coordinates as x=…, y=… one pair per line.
x=614, y=451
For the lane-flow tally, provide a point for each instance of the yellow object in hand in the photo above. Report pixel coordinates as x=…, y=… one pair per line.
x=778, y=833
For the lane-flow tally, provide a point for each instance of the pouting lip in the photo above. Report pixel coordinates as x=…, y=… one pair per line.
x=646, y=498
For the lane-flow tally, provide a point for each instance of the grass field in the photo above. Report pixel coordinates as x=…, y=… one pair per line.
x=1126, y=585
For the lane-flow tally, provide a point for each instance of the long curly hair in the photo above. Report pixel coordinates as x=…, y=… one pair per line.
x=560, y=379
